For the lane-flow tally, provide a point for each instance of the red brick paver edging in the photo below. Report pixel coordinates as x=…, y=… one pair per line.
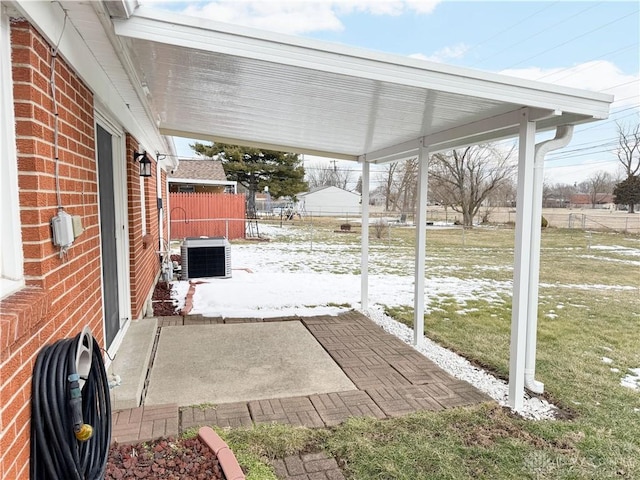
x=227, y=459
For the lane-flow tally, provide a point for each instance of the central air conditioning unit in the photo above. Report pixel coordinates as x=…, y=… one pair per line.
x=206, y=257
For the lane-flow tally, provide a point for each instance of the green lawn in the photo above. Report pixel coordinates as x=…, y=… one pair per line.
x=589, y=308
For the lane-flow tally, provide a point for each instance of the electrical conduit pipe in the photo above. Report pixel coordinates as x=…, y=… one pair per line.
x=562, y=139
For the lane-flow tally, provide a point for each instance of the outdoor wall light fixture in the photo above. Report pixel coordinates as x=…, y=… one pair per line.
x=145, y=163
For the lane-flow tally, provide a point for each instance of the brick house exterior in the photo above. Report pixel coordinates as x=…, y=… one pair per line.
x=60, y=292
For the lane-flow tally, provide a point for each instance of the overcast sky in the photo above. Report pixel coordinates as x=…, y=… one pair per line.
x=589, y=45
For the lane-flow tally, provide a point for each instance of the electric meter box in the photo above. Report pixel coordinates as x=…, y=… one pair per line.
x=62, y=226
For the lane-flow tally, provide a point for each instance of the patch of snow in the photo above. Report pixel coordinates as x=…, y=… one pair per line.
x=607, y=259
x=632, y=380
x=607, y=360
x=593, y=286
x=286, y=231
x=179, y=293
x=551, y=315
x=608, y=349
x=615, y=370
x=634, y=252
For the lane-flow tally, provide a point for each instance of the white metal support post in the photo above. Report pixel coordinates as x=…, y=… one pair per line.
x=364, y=261
x=521, y=265
x=421, y=242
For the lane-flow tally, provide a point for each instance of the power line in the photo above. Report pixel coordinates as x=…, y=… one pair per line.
x=572, y=16
x=621, y=85
x=512, y=26
x=574, y=38
x=586, y=65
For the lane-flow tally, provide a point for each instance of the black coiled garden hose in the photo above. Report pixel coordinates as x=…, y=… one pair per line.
x=56, y=453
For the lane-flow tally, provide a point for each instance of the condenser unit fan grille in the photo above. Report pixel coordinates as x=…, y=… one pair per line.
x=206, y=257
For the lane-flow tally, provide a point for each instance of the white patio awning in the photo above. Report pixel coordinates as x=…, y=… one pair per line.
x=238, y=85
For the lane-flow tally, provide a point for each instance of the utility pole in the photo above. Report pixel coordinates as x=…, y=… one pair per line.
x=335, y=173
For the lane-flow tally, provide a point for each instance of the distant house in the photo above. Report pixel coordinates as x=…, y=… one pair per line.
x=199, y=176
x=584, y=200
x=329, y=201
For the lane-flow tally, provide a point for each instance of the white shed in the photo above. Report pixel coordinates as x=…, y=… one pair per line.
x=329, y=201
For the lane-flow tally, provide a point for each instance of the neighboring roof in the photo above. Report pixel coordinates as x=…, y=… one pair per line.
x=585, y=198
x=238, y=85
x=209, y=171
x=325, y=187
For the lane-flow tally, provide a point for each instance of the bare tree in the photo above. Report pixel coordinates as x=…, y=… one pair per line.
x=559, y=194
x=629, y=149
x=598, y=186
x=389, y=174
x=406, y=184
x=328, y=176
x=465, y=177
x=629, y=155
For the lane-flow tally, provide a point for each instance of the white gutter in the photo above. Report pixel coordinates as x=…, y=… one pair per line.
x=562, y=139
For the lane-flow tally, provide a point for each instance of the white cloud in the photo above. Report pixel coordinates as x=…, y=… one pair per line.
x=597, y=75
x=297, y=16
x=453, y=51
x=284, y=17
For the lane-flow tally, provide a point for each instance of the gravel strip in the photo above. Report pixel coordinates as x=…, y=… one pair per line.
x=534, y=408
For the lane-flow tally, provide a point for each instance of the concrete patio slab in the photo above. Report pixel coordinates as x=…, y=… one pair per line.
x=198, y=364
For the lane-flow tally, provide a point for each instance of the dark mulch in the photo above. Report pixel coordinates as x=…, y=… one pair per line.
x=166, y=459
x=163, y=306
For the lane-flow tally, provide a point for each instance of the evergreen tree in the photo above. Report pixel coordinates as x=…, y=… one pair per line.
x=627, y=192
x=256, y=168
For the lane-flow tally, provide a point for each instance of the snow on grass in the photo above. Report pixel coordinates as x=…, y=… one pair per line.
x=634, y=252
x=267, y=293
x=592, y=286
x=295, y=277
x=613, y=260
x=632, y=380
x=285, y=232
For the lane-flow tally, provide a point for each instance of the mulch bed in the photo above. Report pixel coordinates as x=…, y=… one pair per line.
x=163, y=305
x=166, y=459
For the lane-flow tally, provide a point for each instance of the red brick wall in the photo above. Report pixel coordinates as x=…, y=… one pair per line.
x=144, y=259
x=62, y=294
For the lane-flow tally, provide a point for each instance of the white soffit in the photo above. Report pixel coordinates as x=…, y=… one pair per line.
x=228, y=83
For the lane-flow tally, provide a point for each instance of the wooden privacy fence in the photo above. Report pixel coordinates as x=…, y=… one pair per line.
x=207, y=214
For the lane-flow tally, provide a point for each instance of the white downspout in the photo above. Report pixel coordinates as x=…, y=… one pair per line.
x=562, y=139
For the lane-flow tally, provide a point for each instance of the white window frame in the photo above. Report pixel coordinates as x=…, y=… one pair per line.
x=11, y=256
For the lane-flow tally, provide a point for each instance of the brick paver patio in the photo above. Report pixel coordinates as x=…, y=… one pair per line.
x=310, y=466
x=144, y=423
x=392, y=380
